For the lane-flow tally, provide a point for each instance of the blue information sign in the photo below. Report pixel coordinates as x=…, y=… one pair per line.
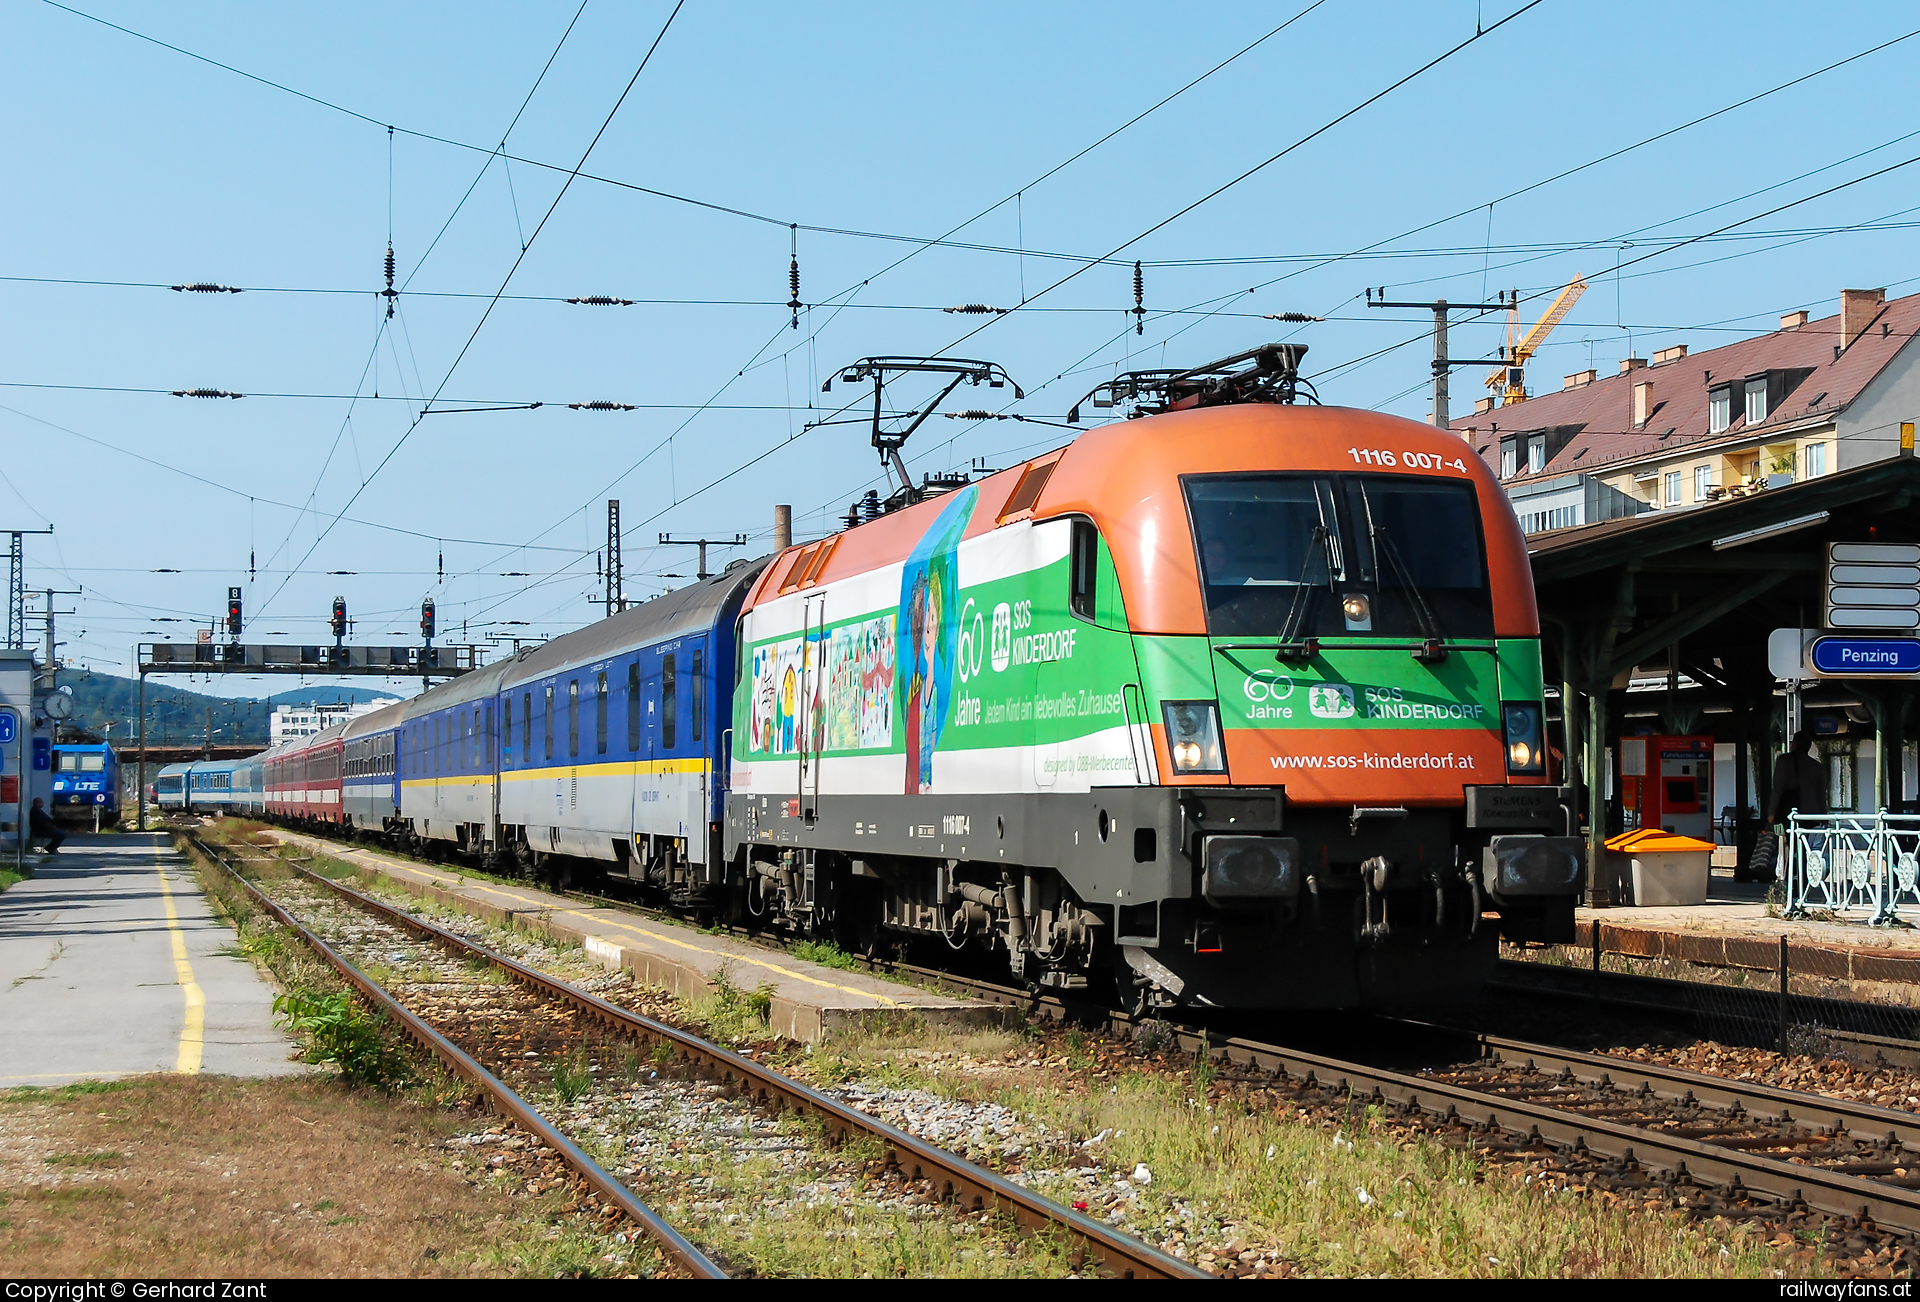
x=1867, y=656
x=9, y=727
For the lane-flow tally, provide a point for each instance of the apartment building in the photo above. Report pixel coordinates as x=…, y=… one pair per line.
x=1679, y=429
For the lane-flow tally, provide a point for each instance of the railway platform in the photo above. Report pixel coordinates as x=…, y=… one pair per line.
x=810, y=1002
x=1737, y=927
x=111, y=965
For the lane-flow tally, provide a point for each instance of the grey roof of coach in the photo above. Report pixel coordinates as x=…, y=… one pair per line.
x=689, y=610
x=476, y=686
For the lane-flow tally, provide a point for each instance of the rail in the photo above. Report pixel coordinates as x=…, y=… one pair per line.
x=677, y=1248
x=1863, y=865
x=954, y=1176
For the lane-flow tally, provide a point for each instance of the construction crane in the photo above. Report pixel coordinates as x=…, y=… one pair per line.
x=1510, y=381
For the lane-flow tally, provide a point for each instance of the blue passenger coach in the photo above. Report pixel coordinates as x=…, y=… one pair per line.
x=612, y=739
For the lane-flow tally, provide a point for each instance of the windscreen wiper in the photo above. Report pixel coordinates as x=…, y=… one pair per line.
x=1432, y=648
x=1293, y=647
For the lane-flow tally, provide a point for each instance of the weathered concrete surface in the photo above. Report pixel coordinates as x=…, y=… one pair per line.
x=809, y=1001
x=109, y=966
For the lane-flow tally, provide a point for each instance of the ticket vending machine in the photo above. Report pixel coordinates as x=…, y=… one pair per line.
x=1668, y=782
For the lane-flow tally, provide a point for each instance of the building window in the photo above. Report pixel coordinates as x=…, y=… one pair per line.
x=1756, y=401
x=1816, y=460
x=1702, y=482
x=1719, y=409
x=1673, y=488
x=1509, y=460
x=1536, y=454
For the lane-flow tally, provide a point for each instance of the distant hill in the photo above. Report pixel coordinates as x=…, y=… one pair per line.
x=107, y=703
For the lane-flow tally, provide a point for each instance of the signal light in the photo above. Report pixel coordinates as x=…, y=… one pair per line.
x=339, y=618
x=426, y=619
x=233, y=611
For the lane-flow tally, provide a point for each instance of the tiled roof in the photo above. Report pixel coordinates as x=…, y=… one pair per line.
x=1605, y=407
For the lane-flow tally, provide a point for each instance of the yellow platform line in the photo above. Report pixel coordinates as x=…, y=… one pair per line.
x=193, y=1031
x=723, y=955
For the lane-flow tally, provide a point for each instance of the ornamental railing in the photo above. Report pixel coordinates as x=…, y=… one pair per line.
x=1852, y=864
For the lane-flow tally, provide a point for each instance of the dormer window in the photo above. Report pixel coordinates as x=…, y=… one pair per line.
x=1719, y=409
x=1536, y=454
x=1756, y=399
x=1509, y=459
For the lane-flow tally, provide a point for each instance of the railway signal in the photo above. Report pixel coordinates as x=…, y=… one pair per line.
x=339, y=620
x=426, y=620
x=233, y=612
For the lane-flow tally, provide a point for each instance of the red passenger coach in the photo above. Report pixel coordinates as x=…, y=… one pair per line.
x=303, y=778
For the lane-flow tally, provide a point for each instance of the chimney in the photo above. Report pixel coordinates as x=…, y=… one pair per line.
x=1858, y=308
x=1642, y=403
x=1672, y=354
x=1483, y=406
x=1631, y=364
x=782, y=527
x=1579, y=380
x=1793, y=320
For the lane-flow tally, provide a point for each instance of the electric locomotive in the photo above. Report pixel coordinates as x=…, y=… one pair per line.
x=1240, y=701
x=86, y=781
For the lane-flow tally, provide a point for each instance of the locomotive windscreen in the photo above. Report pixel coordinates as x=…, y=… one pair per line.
x=1378, y=555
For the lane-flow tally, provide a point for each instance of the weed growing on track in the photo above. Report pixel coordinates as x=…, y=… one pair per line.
x=730, y=1014
x=823, y=952
x=338, y=1030
x=573, y=1075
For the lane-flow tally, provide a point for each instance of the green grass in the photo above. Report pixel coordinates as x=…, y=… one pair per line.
x=8, y=877
x=823, y=952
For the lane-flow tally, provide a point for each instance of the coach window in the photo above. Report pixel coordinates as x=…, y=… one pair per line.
x=546, y=725
x=699, y=696
x=506, y=730
x=573, y=718
x=668, y=693
x=633, y=707
x=486, y=739
x=439, y=742
x=526, y=727
x=600, y=714
x=1085, y=568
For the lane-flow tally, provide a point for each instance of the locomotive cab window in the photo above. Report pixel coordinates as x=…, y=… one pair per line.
x=1083, y=569
x=1396, y=556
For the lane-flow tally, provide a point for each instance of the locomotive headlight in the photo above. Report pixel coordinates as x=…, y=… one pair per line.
x=1526, y=746
x=1358, y=611
x=1193, y=736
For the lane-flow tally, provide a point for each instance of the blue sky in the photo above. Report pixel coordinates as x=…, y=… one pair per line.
x=128, y=162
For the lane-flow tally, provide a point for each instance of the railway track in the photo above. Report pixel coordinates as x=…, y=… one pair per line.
x=735, y=1076
x=1718, y=1145
x=1748, y=1150
x=1748, y=1014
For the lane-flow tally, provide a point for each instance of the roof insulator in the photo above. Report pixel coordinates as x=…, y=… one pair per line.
x=602, y=300
x=206, y=287
x=600, y=406
x=206, y=393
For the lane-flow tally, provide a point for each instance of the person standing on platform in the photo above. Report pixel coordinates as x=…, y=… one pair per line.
x=1799, y=781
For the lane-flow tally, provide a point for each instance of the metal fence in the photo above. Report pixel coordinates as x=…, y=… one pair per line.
x=1860, y=865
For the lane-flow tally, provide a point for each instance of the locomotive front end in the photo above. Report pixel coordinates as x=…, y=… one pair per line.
x=1340, y=661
